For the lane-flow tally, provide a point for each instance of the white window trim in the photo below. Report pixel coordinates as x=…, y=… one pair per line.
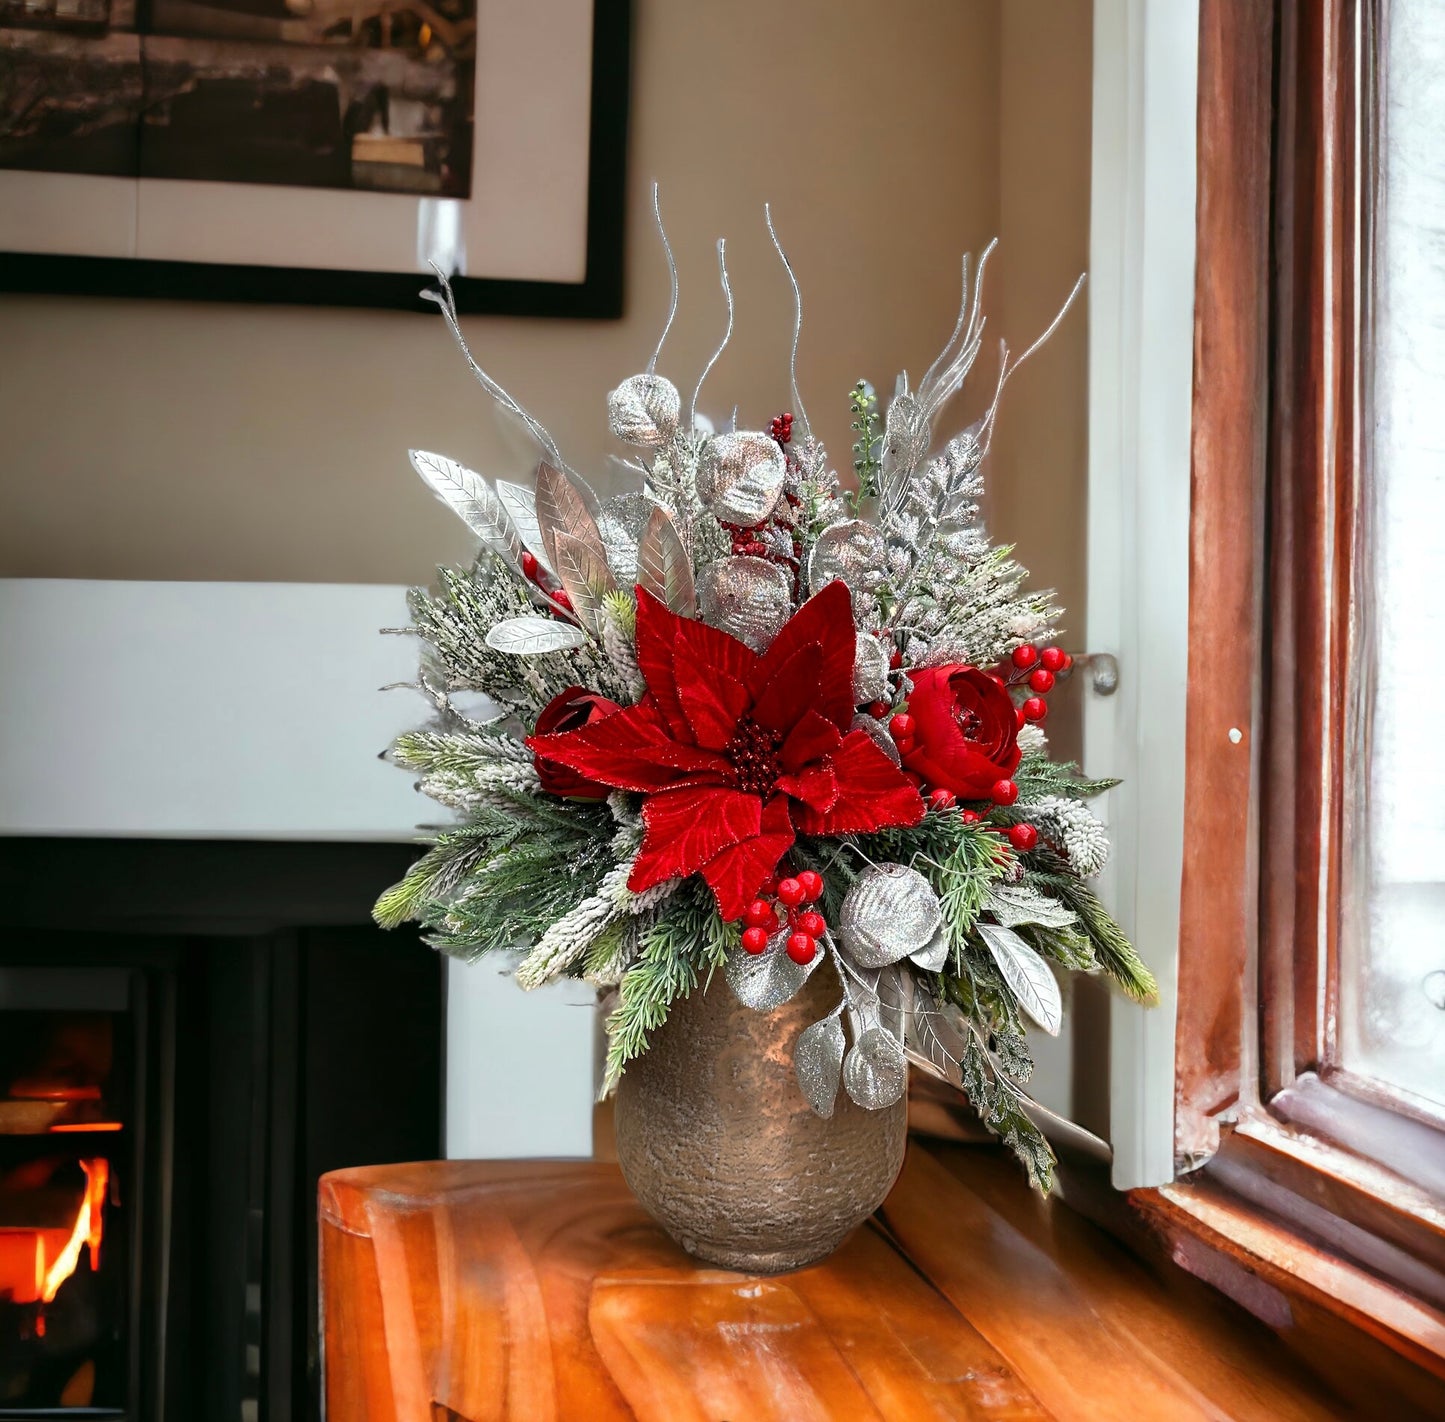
x=1141, y=341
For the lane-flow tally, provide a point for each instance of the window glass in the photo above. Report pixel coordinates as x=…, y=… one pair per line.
x=1392, y=980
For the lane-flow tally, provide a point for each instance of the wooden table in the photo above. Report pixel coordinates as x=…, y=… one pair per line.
x=481, y=1291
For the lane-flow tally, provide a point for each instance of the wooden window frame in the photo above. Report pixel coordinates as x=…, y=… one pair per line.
x=1296, y=1180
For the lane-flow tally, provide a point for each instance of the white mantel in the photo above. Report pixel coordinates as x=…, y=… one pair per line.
x=254, y=711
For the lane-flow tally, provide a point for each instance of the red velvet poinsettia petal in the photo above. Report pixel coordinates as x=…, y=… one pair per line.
x=791, y=691
x=737, y=873
x=632, y=750
x=685, y=829
x=812, y=738
x=816, y=786
x=700, y=649
x=656, y=627
x=872, y=793
x=712, y=704
x=827, y=619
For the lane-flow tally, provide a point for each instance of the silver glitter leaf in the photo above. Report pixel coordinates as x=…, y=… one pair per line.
x=561, y=509
x=906, y=437
x=1028, y=976
x=740, y=476
x=644, y=410
x=587, y=578
x=890, y=912
x=934, y=954
x=937, y=1039
x=818, y=1063
x=768, y=979
x=529, y=636
x=620, y=526
x=875, y=1071
x=851, y=550
x=747, y=597
x=870, y=669
x=663, y=567
x=1013, y=904
x=470, y=497
x=521, y=506
x=879, y=732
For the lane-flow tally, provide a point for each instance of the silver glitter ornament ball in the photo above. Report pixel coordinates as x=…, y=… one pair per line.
x=747, y=597
x=644, y=410
x=740, y=476
x=851, y=550
x=620, y=525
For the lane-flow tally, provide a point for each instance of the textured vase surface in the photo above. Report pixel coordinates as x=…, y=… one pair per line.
x=718, y=1143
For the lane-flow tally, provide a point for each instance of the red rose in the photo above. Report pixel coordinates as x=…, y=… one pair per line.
x=570, y=710
x=965, y=736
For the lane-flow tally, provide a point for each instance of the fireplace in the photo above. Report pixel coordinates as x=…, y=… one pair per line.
x=66, y=1175
x=190, y=1034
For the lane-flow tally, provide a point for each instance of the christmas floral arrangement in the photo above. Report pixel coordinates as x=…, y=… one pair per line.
x=739, y=722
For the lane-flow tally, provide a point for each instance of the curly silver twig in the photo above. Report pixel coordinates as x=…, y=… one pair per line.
x=727, y=335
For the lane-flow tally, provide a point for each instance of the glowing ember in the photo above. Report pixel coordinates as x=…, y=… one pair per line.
x=34, y=1263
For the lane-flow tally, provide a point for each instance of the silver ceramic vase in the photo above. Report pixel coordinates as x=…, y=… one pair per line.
x=717, y=1142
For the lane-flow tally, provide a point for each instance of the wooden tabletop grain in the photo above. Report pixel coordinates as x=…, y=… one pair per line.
x=484, y=1291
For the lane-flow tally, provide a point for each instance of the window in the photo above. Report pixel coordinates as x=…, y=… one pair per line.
x=1310, y=1050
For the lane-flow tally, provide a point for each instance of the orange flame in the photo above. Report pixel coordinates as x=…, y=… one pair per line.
x=54, y=1252
x=86, y=1231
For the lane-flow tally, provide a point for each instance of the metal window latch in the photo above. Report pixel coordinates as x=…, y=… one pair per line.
x=1103, y=669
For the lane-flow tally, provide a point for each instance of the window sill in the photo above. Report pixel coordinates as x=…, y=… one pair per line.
x=1334, y=1250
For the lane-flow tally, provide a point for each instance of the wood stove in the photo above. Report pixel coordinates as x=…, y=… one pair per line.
x=190, y=1034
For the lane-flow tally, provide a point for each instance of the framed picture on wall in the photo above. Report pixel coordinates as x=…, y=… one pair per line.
x=317, y=151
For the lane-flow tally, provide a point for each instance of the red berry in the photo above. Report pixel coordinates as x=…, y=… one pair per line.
x=1035, y=708
x=1042, y=680
x=1004, y=792
x=529, y=565
x=758, y=913
x=812, y=923
x=995, y=677
x=812, y=886
x=878, y=709
x=1020, y=720
x=755, y=939
x=801, y=948
x=1068, y=661
x=942, y=799
x=901, y=727
x=790, y=891
x=1052, y=658
x=1024, y=657
x=970, y=817
x=1023, y=836
x=562, y=600
x=769, y=885
x=895, y=660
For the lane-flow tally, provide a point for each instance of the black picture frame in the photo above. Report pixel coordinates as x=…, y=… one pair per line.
x=598, y=297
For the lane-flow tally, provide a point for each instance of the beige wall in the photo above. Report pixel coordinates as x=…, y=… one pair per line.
x=165, y=440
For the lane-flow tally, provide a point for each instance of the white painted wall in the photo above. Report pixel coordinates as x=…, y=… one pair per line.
x=253, y=711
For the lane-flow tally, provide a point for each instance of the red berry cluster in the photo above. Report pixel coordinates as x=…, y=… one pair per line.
x=781, y=427
x=763, y=916
x=533, y=572
x=1039, y=670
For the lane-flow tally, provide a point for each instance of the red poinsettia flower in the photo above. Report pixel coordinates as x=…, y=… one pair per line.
x=736, y=753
